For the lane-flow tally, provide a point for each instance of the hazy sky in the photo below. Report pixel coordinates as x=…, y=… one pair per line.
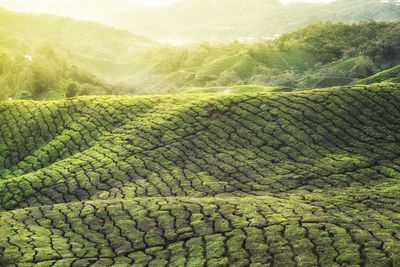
x=134, y=2
x=307, y=1
x=66, y=2
x=92, y=9
x=81, y=9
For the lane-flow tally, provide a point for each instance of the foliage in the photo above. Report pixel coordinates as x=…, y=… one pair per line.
x=308, y=178
x=87, y=39
x=71, y=90
x=34, y=65
x=385, y=48
x=391, y=75
x=320, y=55
x=44, y=74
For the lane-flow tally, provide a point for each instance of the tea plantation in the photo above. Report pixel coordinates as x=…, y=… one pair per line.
x=261, y=179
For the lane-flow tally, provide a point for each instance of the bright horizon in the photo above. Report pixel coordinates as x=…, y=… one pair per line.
x=97, y=9
x=80, y=9
x=135, y=2
x=51, y=2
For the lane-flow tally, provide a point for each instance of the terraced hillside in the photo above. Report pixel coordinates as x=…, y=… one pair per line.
x=264, y=179
x=391, y=75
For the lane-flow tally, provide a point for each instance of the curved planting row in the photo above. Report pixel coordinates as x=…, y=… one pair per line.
x=282, y=179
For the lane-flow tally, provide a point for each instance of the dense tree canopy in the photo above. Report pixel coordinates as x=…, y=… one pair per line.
x=320, y=55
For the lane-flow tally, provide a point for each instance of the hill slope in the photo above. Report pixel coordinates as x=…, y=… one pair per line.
x=320, y=55
x=282, y=179
x=391, y=75
x=118, y=62
x=42, y=55
x=88, y=39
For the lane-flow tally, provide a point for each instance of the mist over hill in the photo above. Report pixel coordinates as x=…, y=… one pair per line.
x=41, y=56
x=183, y=21
x=79, y=37
x=92, y=58
x=117, y=150
x=222, y=20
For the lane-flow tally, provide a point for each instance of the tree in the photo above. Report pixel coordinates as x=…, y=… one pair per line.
x=363, y=67
x=386, y=47
x=25, y=95
x=46, y=49
x=2, y=95
x=44, y=79
x=71, y=90
x=4, y=61
x=332, y=76
x=229, y=77
x=329, y=52
x=288, y=78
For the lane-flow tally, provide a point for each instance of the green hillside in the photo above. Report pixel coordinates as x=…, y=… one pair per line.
x=77, y=37
x=45, y=73
x=263, y=179
x=61, y=57
x=320, y=55
x=69, y=57
x=238, y=89
x=391, y=75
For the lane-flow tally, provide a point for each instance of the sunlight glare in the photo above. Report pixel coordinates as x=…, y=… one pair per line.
x=153, y=2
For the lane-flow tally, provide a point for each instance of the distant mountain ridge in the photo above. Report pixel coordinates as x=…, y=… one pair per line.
x=245, y=20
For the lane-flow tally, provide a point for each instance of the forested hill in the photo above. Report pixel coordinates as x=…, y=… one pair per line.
x=86, y=38
x=237, y=19
x=45, y=57
x=280, y=152
x=79, y=58
x=319, y=55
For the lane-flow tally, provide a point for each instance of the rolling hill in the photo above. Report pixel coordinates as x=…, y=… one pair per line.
x=263, y=179
x=95, y=59
x=84, y=38
x=391, y=75
x=58, y=53
x=320, y=55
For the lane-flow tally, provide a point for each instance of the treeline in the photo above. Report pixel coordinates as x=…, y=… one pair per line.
x=44, y=74
x=320, y=55
x=46, y=57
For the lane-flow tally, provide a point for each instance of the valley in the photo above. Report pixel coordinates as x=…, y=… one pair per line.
x=118, y=150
